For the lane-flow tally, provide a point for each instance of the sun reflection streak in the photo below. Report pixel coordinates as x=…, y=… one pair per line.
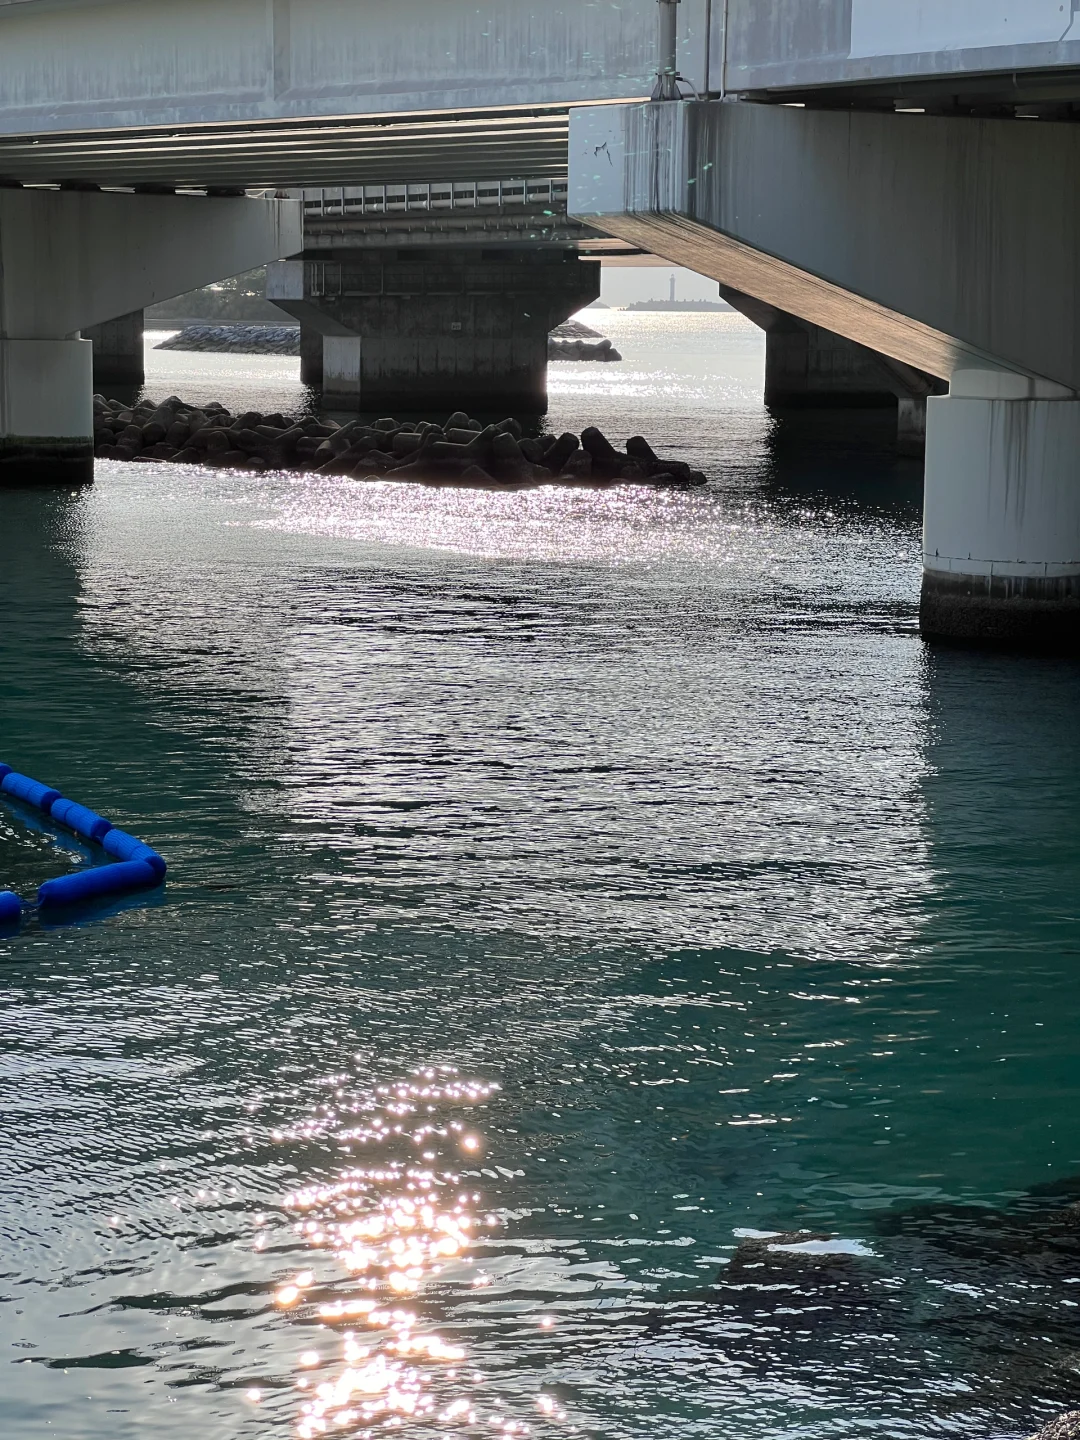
x=393, y=1227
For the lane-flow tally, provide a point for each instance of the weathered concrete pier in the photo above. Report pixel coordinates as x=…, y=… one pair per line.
x=425, y=296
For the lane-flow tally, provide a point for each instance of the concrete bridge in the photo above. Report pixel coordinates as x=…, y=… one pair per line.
x=897, y=174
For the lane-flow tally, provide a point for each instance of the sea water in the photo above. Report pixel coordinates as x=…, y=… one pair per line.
x=568, y=889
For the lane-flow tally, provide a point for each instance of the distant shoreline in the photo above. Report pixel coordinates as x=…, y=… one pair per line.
x=685, y=307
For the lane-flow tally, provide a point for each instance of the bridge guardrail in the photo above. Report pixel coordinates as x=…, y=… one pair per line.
x=355, y=201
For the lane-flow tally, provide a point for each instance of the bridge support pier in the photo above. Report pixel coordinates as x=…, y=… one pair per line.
x=70, y=260
x=311, y=357
x=429, y=330
x=46, y=414
x=118, y=350
x=810, y=368
x=1002, y=513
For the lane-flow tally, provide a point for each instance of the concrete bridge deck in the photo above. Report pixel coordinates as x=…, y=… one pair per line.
x=235, y=94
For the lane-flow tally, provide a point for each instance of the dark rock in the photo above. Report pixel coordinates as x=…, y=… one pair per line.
x=1065, y=1427
x=605, y=456
x=405, y=443
x=557, y=454
x=638, y=448
x=579, y=466
x=337, y=465
x=429, y=471
x=372, y=464
x=187, y=456
x=249, y=440
x=508, y=463
x=476, y=475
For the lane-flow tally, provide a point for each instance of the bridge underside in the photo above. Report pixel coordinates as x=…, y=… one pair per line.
x=947, y=244
x=290, y=154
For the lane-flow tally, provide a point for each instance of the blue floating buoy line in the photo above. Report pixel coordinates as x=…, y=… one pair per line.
x=137, y=866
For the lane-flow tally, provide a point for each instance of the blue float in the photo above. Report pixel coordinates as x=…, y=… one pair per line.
x=86, y=885
x=126, y=847
x=139, y=866
x=78, y=818
x=31, y=792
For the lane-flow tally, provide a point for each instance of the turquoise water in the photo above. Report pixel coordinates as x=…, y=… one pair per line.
x=565, y=885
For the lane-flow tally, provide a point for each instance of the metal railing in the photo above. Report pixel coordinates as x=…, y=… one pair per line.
x=356, y=201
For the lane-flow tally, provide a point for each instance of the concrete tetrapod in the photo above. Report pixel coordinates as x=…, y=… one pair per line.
x=139, y=866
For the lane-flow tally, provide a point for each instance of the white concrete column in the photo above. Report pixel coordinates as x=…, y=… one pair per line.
x=1002, y=512
x=70, y=260
x=46, y=411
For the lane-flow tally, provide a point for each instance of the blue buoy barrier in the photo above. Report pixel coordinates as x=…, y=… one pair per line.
x=30, y=791
x=78, y=818
x=87, y=885
x=126, y=847
x=140, y=867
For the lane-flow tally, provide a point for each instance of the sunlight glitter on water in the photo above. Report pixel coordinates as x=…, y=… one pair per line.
x=397, y=1229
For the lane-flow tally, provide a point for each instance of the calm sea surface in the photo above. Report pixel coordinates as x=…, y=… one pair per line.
x=567, y=888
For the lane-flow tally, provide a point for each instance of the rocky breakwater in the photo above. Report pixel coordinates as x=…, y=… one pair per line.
x=569, y=341
x=463, y=451
x=574, y=341
x=236, y=340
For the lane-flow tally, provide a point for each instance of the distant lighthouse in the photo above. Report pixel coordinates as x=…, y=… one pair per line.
x=671, y=297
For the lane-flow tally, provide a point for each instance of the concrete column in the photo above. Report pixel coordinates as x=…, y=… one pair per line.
x=810, y=368
x=118, y=350
x=911, y=425
x=71, y=260
x=311, y=357
x=343, y=372
x=46, y=412
x=431, y=330
x=1002, y=513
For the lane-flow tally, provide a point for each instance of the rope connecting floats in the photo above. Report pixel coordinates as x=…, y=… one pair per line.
x=135, y=866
